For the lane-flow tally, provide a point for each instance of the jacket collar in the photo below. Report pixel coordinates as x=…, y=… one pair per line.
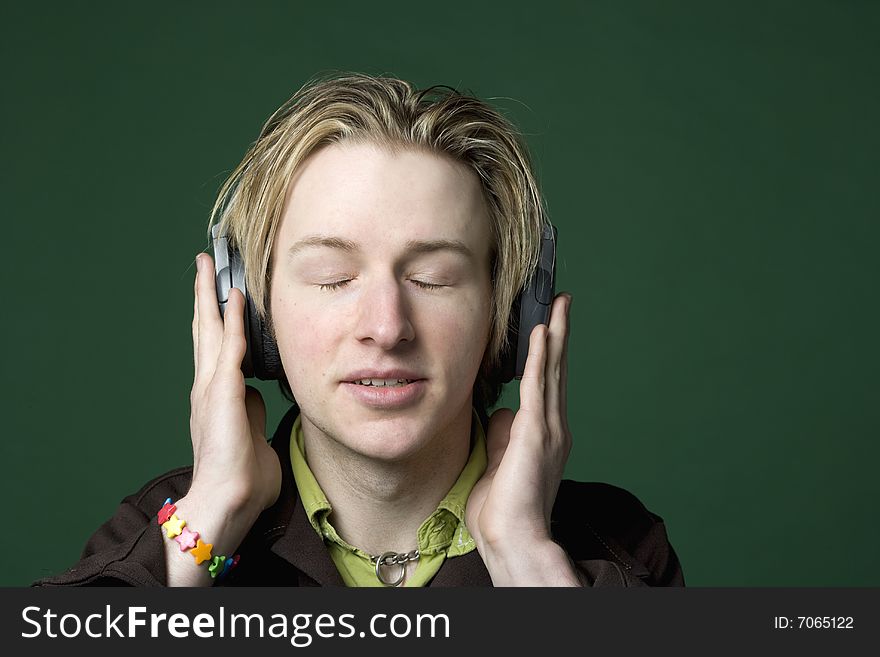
x=286, y=527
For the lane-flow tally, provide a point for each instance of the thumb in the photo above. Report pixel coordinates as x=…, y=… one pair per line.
x=497, y=437
x=256, y=411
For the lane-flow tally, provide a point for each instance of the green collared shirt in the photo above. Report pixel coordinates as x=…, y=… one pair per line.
x=443, y=535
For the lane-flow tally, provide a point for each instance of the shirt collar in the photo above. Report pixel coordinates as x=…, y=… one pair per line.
x=443, y=531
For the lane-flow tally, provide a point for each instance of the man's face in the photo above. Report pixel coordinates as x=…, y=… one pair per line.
x=375, y=228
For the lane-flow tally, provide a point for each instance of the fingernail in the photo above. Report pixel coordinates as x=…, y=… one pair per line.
x=199, y=262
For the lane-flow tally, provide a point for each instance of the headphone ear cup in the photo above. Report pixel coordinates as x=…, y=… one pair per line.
x=261, y=357
x=531, y=307
x=262, y=348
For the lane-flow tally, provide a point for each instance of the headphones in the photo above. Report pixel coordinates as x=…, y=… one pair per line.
x=261, y=359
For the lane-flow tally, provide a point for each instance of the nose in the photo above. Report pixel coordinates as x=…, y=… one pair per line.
x=384, y=315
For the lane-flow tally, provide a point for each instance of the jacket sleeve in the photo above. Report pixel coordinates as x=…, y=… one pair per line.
x=128, y=549
x=654, y=550
x=612, y=539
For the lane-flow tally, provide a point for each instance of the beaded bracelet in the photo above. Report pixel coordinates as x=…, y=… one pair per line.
x=176, y=528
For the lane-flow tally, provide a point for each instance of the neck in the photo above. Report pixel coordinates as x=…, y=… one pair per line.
x=379, y=505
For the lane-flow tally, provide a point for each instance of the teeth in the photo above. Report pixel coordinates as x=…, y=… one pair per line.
x=382, y=383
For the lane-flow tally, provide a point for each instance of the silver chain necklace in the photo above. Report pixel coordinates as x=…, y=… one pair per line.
x=388, y=559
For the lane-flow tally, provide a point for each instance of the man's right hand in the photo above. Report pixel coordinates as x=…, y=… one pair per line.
x=236, y=473
x=231, y=458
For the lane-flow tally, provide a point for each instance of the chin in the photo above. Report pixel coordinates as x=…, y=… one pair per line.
x=389, y=440
x=376, y=434
x=390, y=435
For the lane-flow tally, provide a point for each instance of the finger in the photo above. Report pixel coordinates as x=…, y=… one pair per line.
x=553, y=371
x=234, y=344
x=564, y=384
x=531, y=387
x=498, y=437
x=256, y=412
x=195, y=323
x=210, y=328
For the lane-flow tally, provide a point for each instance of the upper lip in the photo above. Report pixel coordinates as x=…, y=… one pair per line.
x=386, y=375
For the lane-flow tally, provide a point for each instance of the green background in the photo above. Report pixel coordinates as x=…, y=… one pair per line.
x=712, y=168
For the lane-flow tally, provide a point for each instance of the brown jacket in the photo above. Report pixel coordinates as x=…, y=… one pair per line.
x=609, y=535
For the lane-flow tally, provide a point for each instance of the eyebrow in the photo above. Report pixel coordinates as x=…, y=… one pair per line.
x=348, y=246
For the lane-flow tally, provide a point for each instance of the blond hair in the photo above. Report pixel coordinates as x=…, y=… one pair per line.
x=391, y=113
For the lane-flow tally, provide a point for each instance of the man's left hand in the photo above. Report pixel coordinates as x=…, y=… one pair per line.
x=508, y=511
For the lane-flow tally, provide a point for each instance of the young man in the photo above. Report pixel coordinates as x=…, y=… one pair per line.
x=385, y=233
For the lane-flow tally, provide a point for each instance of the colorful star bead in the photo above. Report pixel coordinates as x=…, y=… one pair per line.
x=216, y=565
x=187, y=539
x=166, y=512
x=201, y=552
x=173, y=526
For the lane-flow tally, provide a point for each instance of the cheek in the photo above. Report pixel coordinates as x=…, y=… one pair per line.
x=310, y=338
x=462, y=335
x=306, y=338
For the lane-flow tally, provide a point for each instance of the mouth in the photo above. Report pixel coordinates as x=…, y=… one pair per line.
x=386, y=394
x=383, y=383
x=382, y=377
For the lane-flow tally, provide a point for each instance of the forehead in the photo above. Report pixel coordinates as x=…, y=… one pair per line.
x=384, y=199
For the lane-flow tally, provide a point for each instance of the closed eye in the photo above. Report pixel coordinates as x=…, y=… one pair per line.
x=428, y=286
x=338, y=284
x=333, y=286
